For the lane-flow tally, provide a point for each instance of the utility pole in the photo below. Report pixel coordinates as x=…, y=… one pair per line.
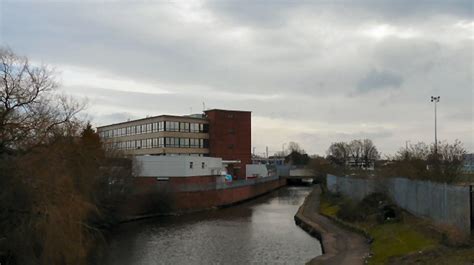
x=435, y=100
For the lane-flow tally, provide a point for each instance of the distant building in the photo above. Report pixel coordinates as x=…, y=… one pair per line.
x=468, y=163
x=218, y=133
x=271, y=160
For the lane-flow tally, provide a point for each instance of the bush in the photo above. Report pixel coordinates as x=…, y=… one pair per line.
x=351, y=212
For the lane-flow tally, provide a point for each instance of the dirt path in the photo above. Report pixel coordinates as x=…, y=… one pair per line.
x=340, y=247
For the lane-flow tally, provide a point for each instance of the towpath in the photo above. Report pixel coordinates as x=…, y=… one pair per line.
x=341, y=247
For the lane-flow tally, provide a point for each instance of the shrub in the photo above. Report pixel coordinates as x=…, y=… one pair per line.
x=350, y=211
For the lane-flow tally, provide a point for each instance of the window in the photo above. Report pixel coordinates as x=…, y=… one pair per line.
x=172, y=126
x=194, y=143
x=190, y=164
x=138, y=129
x=204, y=128
x=172, y=142
x=155, y=142
x=148, y=143
x=138, y=144
x=184, y=142
x=143, y=128
x=184, y=127
x=148, y=128
x=132, y=144
x=155, y=126
x=161, y=142
x=203, y=165
x=161, y=126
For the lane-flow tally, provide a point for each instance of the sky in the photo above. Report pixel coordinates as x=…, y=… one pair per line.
x=312, y=72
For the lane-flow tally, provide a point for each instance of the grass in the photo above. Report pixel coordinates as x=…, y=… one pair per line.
x=329, y=209
x=408, y=236
x=397, y=239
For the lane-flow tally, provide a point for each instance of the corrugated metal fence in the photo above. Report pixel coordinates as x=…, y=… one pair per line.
x=442, y=203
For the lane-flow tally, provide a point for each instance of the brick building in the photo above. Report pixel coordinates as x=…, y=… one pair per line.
x=230, y=137
x=216, y=133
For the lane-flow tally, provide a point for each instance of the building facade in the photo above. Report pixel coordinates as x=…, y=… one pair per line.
x=216, y=133
x=160, y=135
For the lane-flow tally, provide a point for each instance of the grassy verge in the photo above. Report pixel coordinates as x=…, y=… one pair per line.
x=409, y=240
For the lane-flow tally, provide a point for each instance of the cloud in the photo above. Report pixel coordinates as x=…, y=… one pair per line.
x=295, y=65
x=379, y=80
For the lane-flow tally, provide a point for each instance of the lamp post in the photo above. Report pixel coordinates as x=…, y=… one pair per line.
x=435, y=100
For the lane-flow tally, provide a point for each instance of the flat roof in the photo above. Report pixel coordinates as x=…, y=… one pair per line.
x=152, y=117
x=227, y=110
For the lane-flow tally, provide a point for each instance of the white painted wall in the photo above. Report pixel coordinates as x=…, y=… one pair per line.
x=177, y=166
x=256, y=170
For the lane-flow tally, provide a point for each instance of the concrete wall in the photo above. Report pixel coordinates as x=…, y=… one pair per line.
x=256, y=170
x=442, y=203
x=178, y=166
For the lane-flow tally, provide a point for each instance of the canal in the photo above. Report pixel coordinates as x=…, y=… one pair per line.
x=261, y=231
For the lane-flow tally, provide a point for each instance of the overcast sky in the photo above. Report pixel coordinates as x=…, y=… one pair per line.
x=313, y=72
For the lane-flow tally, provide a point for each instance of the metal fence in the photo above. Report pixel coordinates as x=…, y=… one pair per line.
x=442, y=203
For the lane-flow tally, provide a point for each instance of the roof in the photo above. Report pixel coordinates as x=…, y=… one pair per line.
x=227, y=110
x=153, y=117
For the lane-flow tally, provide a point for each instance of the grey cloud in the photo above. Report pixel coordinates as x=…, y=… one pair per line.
x=378, y=80
x=267, y=13
x=283, y=50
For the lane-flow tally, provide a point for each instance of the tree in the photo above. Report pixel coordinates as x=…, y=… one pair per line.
x=369, y=152
x=295, y=147
x=338, y=153
x=29, y=110
x=296, y=155
x=55, y=176
x=421, y=161
x=356, y=148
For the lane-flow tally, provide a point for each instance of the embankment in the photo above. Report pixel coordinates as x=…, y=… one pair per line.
x=339, y=246
x=157, y=198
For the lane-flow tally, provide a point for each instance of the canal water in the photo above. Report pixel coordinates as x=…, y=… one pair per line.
x=261, y=231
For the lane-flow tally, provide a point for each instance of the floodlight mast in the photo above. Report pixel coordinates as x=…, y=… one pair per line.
x=435, y=100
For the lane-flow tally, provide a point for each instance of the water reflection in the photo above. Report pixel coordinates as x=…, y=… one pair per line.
x=257, y=232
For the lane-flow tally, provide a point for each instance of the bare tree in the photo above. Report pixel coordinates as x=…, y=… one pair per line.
x=55, y=178
x=356, y=149
x=295, y=147
x=338, y=153
x=29, y=108
x=369, y=152
x=420, y=161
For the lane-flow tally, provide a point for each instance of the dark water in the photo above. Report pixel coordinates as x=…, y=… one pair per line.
x=258, y=232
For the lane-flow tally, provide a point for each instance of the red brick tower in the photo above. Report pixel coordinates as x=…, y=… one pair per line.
x=230, y=134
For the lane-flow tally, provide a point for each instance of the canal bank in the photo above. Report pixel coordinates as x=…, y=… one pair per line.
x=152, y=197
x=339, y=246
x=260, y=231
